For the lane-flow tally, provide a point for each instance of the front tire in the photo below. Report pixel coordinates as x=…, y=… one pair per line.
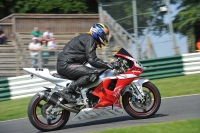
x=139, y=110
x=36, y=115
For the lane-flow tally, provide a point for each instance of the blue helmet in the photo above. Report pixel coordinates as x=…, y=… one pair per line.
x=100, y=33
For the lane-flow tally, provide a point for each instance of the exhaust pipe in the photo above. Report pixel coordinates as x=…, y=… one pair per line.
x=54, y=100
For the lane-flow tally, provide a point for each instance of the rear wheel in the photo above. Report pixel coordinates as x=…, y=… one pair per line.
x=135, y=108
x=38, y=117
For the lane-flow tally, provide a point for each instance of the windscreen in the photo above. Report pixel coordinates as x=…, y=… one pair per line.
x=123, y=52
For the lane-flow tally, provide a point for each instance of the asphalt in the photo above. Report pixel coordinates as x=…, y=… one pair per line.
x=176, y=108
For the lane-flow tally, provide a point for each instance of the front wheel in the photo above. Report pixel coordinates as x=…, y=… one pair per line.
x=38, y=117
x=135, y=108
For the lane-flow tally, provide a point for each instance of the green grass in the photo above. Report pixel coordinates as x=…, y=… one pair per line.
x=175, y=86
x=14, y=109
x=184, y=126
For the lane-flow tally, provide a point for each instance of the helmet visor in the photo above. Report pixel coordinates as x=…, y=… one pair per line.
x=104, y=39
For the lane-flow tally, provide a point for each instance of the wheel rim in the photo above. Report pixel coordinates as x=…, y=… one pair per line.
x=150, y=102
x=39, y=115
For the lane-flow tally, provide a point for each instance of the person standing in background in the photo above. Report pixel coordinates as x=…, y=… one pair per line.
x=45, y=53
x=34, y=46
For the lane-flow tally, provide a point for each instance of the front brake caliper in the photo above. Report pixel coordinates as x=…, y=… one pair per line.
x=133, y=98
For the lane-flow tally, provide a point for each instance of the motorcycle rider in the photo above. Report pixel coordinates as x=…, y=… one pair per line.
x=77, y=51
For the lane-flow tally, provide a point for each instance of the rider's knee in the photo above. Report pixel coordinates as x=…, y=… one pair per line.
x=94, y=76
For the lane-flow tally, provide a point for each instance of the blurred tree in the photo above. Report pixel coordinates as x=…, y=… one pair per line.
x=8, y=7
x=122, y=12
x=188, y=15
x=186, y=19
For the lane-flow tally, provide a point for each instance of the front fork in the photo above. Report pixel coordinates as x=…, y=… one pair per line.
x=135, y=88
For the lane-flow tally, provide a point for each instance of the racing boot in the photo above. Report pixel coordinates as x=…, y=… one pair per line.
x=69, y=91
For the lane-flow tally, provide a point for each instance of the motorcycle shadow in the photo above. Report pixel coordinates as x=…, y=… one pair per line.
x=107, y=120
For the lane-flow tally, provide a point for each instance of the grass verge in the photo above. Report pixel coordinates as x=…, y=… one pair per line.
x=14, y=109
x=184, y=126
x=176, y=86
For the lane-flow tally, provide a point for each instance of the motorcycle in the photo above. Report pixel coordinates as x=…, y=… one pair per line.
x=115, y=91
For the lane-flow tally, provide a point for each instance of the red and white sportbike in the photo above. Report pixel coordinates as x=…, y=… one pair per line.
x=48, y=110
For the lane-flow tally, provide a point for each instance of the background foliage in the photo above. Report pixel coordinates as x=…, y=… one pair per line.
x=188, y=16
x=122, y=12
x=8, y=7
x=184, y=21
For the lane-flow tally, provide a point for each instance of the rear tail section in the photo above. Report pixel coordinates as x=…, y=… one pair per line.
x=45, y=74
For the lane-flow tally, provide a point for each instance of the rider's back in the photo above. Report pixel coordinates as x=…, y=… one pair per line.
x=76, y=48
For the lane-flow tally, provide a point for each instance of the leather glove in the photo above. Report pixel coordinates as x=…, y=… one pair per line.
x=116, y=65
x=109, y=66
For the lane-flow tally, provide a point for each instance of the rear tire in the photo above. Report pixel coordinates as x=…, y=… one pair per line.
x=151, y=106
x=34, y=106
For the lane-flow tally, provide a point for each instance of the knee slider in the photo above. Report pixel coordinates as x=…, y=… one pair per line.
x=93, y=76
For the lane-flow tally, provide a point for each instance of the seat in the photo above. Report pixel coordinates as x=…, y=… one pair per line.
x=59, y=76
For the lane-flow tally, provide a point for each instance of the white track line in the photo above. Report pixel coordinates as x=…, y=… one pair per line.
x=161, y=98
x=13, y=120
x=180, y=96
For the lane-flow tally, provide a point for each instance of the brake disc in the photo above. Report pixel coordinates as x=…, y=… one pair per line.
x=43, y=110
x=138, y=104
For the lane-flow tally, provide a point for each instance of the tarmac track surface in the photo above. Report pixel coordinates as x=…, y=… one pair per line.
x=176, y=108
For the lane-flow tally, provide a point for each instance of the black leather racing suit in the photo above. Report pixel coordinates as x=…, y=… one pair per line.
x=70, y=60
